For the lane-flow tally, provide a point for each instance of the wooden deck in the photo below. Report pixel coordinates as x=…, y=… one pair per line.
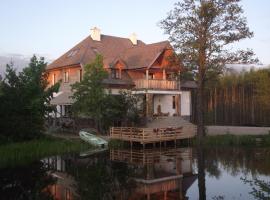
x=149, y=135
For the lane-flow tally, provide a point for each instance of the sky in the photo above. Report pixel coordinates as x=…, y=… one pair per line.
x=52, y=27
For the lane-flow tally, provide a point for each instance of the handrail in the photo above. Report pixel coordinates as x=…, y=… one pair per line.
x=156, y=84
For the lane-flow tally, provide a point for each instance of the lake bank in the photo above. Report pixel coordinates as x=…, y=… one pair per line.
x=237, y=130
x=235, y=140
x=24, y=152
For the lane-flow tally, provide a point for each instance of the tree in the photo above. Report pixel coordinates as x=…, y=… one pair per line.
x=123, y=107
x=90, y=93
x=25, y=101
x=93, y=101
x=201, y=31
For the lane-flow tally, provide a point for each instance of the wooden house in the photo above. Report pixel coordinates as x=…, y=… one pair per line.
x=149, y=70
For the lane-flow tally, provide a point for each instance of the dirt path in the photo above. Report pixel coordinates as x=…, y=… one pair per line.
x=237, y=130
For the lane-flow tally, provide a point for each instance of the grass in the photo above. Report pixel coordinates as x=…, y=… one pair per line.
x=235, y=140
x=21, y=153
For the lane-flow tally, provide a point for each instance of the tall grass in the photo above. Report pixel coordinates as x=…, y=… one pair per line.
x=24, y=152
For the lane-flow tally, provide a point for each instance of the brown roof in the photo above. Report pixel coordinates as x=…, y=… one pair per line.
x=112, y=49
x=109, y=47
x=143, y=56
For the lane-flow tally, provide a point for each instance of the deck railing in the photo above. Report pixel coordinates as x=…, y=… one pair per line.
x=144, y=156
x=156, y=84
x=149, y=135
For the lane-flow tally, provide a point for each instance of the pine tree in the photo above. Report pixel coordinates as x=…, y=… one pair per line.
x=200, y=31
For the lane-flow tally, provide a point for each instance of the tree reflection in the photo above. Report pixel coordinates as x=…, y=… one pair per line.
x=201, y=173
x=100, y=179
x=260, y=188
x=237, y=160
x=26, y=182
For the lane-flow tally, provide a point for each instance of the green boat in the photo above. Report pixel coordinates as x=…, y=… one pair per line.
x=88, y=136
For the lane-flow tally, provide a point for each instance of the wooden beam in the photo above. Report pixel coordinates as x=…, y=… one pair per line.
x=164, y=74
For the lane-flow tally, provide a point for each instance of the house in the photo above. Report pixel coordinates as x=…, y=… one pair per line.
x=149, y=70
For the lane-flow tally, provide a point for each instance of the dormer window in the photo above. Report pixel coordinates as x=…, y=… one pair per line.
x=66, y=77
x=115, y=74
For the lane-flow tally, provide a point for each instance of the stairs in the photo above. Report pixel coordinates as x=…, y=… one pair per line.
x=164, y=122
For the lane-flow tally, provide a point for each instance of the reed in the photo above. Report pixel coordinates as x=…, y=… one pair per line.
x=24, y=152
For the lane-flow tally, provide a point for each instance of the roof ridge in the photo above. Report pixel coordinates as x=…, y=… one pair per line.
x=120, y=38
x=164, y=41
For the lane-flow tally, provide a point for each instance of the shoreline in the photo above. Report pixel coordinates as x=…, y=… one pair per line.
x=237, y=130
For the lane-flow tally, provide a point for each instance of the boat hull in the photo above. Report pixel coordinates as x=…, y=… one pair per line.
x=93, y=139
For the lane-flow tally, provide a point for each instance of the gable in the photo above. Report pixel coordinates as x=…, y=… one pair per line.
x=166, y=59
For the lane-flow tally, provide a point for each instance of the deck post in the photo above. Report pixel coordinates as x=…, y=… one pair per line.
x=111, y=131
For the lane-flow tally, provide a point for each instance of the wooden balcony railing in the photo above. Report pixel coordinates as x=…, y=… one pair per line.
x=156, y=84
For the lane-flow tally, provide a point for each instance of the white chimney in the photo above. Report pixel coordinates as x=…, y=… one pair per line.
x=133, y=38
x=95, y=34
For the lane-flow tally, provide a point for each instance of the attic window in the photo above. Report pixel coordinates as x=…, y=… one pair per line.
x=72, y=53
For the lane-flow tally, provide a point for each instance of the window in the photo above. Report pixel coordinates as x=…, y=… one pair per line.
x=151, y=76
x=80, y=75
x=67, y=110
x=53, y=79
x=171, y=76
x=173, y=102
x=66, y=77
x=115, y=73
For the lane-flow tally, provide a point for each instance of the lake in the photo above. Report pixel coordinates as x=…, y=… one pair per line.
x=150, y=174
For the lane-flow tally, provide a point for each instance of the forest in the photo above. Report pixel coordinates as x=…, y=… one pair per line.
x=239, y=98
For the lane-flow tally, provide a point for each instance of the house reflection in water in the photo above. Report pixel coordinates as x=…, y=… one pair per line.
x=63, y=188
x=152, y=174
x=159, y=173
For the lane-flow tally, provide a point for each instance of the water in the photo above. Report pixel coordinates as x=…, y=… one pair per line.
x=151, y=174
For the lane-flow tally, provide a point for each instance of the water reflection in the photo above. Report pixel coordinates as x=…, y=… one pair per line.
x=150, y=174
x=158, y=173
x=26, y=182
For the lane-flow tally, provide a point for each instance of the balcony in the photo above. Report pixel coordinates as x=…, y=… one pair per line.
x=156, y=84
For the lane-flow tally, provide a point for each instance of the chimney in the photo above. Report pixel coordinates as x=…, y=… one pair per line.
x=133, y=38
x=95, y=34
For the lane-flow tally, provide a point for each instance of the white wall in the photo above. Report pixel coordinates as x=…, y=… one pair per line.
x=185, y=103
x=166, y=103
